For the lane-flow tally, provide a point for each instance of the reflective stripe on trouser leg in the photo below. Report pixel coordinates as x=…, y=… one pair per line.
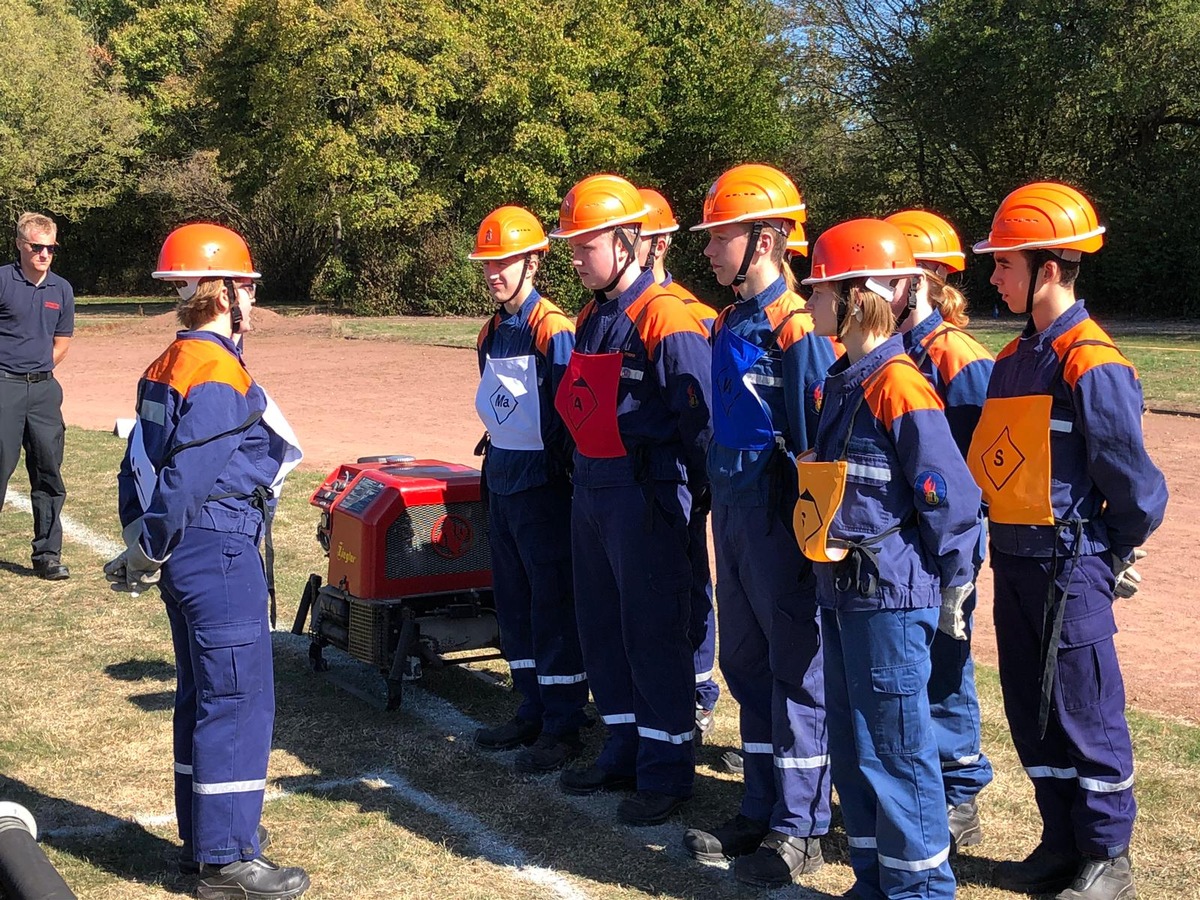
x=703, y=625
x=859, y=817
x=598, y=610
x=954, y=708
x=511, y=590
x=1082, y=770
x=540, y=612
x=744, y=617
x=885, y=759
x=802, y=776
x=652, y=576
x=217, y=579
x=183, y=721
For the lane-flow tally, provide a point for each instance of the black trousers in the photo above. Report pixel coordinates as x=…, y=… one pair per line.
x=31, y=417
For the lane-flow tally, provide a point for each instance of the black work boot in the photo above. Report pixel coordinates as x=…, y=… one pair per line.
x=648, y=808
x=51, y=570
x=254, y=879
x=187, y=856
x=737, y=837
x=1042, y=872
x=779, y=859
x=549, y=753
x=593, y=780
x=1102, y=879
x=732, y=761
x=965, y=828
x=516, y=732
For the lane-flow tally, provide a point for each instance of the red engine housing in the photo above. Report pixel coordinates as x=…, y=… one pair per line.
x=404, y=529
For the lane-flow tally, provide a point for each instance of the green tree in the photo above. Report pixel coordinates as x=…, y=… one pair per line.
x=950, y=104
x=68, y=136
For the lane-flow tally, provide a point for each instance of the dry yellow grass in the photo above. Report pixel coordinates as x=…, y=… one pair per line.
x=85, y=695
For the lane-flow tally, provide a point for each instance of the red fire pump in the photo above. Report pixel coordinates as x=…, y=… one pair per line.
x=410, y=568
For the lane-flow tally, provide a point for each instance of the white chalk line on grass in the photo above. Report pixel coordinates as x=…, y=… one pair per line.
x=72, y=530
x=438, y=713
x=482, y=841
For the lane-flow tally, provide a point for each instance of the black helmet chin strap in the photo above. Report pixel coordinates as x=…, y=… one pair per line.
x=843, y=309
x=520, y=282
x=911, y=303
x=235, y=308
x=629, y=242
x=751, y=248
x=1038, y=258
x=653, y=254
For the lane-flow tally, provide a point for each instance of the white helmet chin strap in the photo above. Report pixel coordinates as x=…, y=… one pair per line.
x=880, y=288
x=187, y=288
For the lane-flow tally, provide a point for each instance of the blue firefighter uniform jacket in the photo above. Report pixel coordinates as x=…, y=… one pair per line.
x=199, y=393
x=541, y=328
x=663, y=396
x=959, y=369
x=908, y=495
x=1100, y=471
x=783, y=380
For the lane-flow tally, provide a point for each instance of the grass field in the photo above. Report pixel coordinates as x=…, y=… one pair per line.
x=387, y=805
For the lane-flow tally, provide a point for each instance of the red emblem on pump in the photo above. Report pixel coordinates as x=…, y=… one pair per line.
x=451, y=536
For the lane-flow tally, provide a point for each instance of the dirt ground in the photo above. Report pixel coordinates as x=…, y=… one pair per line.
x=347, y=399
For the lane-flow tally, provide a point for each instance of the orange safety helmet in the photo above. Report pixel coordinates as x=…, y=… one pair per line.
x=1045, y=216
x=861, y=248
x=202, y=250
x=506, y=232
x=931, y=238
x=751, y=193
x=659, y=218
x=599, y=201
x=797, y=242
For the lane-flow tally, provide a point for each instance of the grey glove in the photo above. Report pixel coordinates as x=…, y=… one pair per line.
x=1128, y=578
x=951, y=620
x=133, y=571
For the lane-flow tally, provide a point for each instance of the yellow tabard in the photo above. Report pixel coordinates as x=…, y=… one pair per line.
x=1010, y=459
x=822, y=486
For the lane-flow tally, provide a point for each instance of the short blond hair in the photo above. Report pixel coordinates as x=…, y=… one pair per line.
x=35, y=223
x=200, y=308
x=877, y=317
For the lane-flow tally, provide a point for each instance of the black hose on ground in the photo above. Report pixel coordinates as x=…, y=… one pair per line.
x=25, y=872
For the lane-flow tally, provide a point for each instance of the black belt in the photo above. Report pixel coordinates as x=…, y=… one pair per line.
x=30, y=377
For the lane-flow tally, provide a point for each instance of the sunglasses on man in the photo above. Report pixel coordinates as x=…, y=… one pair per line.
x=37, y=249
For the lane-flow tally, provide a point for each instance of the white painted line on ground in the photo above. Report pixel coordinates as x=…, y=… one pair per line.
x=482, y=840
x=72, y=530
x=434, y=711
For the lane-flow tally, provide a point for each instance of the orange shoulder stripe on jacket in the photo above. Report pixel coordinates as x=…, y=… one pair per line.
x=1090, y=355
x=1009, y=349
x=545, y=321
x=897, y=389
x=484, y=330
x=790, y=306
x=952, y=350
x=188, y=363
x=588, y=309
x=701, y=311
x=665, y=314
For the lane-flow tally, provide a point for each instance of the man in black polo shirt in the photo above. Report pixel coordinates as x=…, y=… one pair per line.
x=37, y=319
